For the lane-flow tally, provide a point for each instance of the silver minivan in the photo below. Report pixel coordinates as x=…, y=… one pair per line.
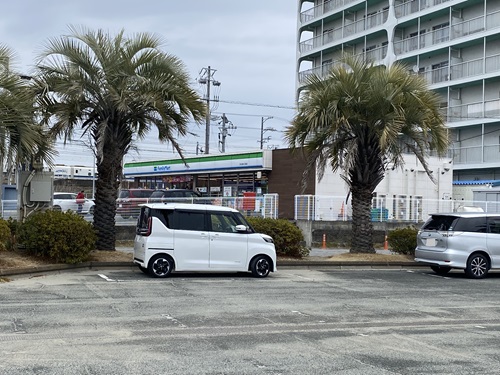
x=199, y=237
x=464, y=240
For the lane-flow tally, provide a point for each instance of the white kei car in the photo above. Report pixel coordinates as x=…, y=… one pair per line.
x=67, y=201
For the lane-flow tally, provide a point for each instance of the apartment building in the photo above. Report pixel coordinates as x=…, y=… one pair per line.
x=454, y=44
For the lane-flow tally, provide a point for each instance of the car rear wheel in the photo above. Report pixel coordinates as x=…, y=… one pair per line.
x=56, y=208
x=160, y=265
x=477, y=266
x=441, y=270
x=260, y=266
x=91, y=210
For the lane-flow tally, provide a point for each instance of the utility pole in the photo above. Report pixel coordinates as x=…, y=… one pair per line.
x=224, y=132
x=206, y=78
x=262, y=131
x=198, y=148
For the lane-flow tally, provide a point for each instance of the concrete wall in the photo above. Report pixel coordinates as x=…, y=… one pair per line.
x=338, y=233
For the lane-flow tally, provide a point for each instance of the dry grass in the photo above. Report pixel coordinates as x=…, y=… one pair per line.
x=10, y=260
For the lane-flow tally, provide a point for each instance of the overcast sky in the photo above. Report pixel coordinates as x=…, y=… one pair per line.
x=251, y=45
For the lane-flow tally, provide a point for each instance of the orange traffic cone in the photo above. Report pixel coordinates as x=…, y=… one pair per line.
x=324, y=242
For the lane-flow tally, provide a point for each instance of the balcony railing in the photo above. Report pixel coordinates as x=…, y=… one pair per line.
x=486, y=109
x=350, y=29
x=476, y=154
x=409, y=7
x=375, y=54
x=469, y=27
x=318, y=11
x=490, y=64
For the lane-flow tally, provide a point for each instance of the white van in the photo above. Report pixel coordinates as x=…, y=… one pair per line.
x=464, y=240
x=199, y=237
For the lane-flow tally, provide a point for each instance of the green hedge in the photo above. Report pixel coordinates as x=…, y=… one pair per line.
x=403, y=240
x=5, y=235
x=288, y=238
x=61, y=236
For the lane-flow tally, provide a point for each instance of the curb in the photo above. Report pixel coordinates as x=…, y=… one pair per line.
x=283, y=264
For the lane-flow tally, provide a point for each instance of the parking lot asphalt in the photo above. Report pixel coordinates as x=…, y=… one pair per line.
x=297, y=321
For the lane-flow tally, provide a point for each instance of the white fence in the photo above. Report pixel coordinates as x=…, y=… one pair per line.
x=400, y=208
x=265, y=206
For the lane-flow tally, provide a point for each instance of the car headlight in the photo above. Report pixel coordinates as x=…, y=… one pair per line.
x=268, y=239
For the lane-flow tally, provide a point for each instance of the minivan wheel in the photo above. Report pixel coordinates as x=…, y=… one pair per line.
x=160, y=265
x=260, y=266
x=441, y=270
x=477, y=266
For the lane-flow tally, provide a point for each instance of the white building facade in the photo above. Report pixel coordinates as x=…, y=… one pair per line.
x=454, y=44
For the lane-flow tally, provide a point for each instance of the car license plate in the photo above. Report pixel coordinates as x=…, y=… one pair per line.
x=430, y=242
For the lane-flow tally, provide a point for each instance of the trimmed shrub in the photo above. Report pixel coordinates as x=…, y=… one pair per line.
x=61, y=236
x=403, y=240
x=12, y=242
x=288, y=238
x=5, y=236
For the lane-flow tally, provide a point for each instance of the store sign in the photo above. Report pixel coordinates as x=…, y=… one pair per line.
x=210, y=164
x=161, y=168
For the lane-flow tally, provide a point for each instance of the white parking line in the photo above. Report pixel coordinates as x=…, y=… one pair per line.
x=105, y=277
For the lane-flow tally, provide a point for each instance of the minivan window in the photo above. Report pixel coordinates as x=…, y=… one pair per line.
x=240, y=219
x=188, y=220
x=471, y=224
x=437, y=222
x=494, y=225
x=222, y=222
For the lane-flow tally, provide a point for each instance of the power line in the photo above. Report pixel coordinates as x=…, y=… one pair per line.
x=256, y=104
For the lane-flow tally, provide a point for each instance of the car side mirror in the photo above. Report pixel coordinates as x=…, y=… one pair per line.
x=241, y=228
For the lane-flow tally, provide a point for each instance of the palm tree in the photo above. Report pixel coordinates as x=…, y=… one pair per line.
x=22, y=139
x=360, y=119
x=115, y=89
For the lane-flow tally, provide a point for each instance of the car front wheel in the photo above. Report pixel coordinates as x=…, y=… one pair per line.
x=160, y=266
x=477, y=266
x=260, y=266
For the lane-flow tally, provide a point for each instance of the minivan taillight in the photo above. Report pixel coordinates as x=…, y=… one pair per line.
x=147, y=231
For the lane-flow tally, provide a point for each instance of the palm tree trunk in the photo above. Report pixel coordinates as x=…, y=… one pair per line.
x=362, y=228
x=109, y=169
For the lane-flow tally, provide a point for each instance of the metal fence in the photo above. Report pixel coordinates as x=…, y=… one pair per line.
x=399, y=208
x=265, y=206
